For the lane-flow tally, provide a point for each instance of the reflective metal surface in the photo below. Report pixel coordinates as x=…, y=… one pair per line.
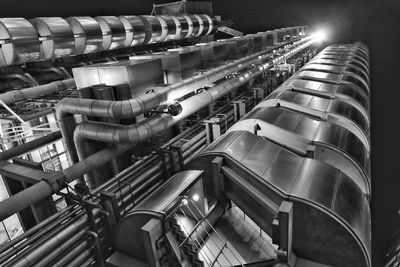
x=155, y=29
x=312, y=138
x=139, y=74
x=134, y=29
x=20, y=41
x=321, y=194
x=87, y=33
x=113, y=32
x=154, y=206
x=57, y=39
x=308, y=142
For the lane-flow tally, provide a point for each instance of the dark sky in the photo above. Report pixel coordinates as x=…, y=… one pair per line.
x=376, y=23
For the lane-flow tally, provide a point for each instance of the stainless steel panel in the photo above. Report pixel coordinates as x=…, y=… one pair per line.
x=354, y=93
x=330, y=61
x=283, y=171
x=21, y=41
x=344, y=140
x=318, y=76
x=223, y=142
x=260, y=157
x=307, y=128
x=241, y=147
x=345, y=56
x=319, y=103
x=163, y=197
x=113, y=30
x=181, y=59
x=140, y=74
x=296, y=98
x=347, y=111
x=87, y=34
x=321, y=195
x=57, y=37
x=356, y=81
x=214, y=51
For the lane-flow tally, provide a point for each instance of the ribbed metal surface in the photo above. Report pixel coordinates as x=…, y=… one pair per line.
x=87, y=33
x=57, y=39
x=45, y=38
x=20, y=41
x=307, y=142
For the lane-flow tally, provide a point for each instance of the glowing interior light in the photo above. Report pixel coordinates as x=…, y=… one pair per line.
x=196, y=197
x=319, y=36
x=184, y=201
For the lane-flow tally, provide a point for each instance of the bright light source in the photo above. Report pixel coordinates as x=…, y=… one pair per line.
x=196, y=197
x=319, y=36
x=184, y=201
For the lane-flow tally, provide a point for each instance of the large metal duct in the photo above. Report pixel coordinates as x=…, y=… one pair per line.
x=113, y=32
x=134, y=107
x=45, y=38
x=87, y=34
x=135, y=30
x=186, y=27
x=156, y=29
x=19, y=41
x=56, y=37
x=173, y=27
x=133, y=134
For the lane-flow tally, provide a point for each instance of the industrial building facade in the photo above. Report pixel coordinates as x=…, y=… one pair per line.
x=172, y=139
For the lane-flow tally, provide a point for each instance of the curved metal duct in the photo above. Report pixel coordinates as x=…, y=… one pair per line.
x=56, y=37
x=19, y=41
x=134, y=107
x=113, y=32
x=173, y=27
x=44, y=38
x=87, y=34
x=135, y=30
x=186, y=27
x=156, y=29
x=198, y=25
x=133, y=134
x=208, y=24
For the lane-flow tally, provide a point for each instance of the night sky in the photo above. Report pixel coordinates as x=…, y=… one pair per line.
x=376, y=23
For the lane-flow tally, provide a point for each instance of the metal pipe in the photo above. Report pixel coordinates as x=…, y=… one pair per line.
x=81, y=248
x=136, y=106
x=12, y=97
x=45, y=246
x=97, y=245
x=27, y=147
x=33, y=230
x=14, y=248
x=134, y=134
x=61, y=249
x=57, y=181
